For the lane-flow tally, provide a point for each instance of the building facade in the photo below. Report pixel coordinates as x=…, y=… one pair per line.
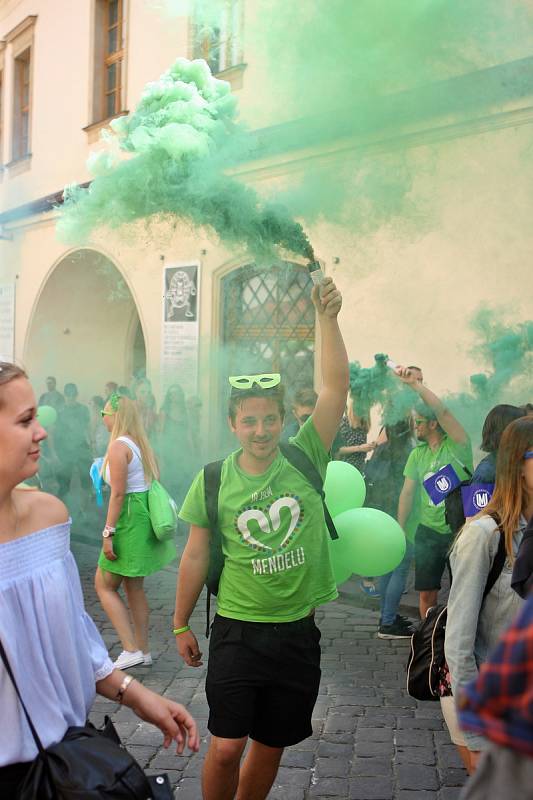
x=187, y=309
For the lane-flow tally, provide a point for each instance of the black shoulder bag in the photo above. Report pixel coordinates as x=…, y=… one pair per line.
x=87, y=763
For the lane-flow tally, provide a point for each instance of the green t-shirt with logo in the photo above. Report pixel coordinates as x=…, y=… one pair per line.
x=274, y=536
x=424, y=462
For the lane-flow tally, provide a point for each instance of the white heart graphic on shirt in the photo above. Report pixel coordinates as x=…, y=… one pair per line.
x=270, y=523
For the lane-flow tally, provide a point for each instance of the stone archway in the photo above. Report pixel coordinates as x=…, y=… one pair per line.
x=85, y=327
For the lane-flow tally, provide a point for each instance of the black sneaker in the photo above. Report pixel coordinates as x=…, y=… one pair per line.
x=397, y=630
x=404, y=622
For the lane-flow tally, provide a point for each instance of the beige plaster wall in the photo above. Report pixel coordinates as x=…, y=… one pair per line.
x=408, y=292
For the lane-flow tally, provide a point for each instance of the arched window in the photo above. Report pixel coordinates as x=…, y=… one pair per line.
x=269, y=322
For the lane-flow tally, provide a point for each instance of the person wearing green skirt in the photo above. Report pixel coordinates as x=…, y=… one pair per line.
x=131, y=550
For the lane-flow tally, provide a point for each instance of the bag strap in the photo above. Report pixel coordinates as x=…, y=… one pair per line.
x=301, y=461
x=498, y=563
x=212, y=480
x=9, y=671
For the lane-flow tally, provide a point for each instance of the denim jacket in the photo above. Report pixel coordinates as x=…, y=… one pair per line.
x=473, y=628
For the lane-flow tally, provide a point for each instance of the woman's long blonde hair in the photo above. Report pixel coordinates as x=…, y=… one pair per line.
x=128, y=422
x=510, y=496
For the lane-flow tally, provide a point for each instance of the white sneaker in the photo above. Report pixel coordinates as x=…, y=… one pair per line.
x=129, y=659
x=147, y=659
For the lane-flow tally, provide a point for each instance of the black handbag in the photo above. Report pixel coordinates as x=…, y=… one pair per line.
x=87, y=764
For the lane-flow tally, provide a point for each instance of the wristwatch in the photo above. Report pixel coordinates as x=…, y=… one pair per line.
x=108, y=532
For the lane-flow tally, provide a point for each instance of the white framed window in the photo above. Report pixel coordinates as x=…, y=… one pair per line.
x=219, y=40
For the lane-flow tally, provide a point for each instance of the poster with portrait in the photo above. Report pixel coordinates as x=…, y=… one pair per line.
x=7, y=322
x=179, y=361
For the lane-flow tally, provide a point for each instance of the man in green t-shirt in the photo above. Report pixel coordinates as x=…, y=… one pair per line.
x=442, y=441
x=264, y=653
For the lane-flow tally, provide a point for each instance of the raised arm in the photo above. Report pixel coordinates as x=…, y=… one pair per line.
x=334, y=362
x=445, y=418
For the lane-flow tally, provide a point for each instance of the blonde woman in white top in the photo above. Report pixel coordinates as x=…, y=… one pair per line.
x=130, y=548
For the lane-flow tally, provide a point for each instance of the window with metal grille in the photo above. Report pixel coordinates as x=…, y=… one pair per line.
x=269, y=322
x=218, y=38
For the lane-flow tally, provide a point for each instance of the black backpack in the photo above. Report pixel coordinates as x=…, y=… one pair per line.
x=212, y=478
x=426, y=658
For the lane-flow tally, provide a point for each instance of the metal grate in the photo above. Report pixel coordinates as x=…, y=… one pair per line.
x=269, y=322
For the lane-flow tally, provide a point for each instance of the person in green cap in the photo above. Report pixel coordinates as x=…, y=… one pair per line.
x=442, y=441
x=264, y=654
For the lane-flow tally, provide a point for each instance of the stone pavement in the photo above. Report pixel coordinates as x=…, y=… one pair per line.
x=370, y=742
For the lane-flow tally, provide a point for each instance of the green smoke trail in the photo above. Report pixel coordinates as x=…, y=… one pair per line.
x=505, y=350
x=178, y=142
x=367, y=74
x=358, y=73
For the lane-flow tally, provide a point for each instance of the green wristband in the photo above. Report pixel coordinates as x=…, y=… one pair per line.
x=177, y=631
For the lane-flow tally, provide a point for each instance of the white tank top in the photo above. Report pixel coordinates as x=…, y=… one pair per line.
x=136, y=482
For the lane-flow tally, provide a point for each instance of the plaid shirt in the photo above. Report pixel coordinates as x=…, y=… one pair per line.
x=499, y=703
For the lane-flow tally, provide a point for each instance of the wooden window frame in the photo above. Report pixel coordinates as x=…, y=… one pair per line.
x=117, y=57
x=1, y=117
x=22, y=64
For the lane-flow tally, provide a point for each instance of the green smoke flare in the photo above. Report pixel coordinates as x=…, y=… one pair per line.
x=178, y=142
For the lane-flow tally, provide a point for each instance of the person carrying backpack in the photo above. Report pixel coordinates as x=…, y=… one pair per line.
x=264, y=654
x=475, y=623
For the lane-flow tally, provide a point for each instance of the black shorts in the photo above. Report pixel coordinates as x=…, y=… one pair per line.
x=431, y=555
x=263, y=679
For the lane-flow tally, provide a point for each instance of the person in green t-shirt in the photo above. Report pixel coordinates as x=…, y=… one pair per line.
x=442, y=440
x=264, y=653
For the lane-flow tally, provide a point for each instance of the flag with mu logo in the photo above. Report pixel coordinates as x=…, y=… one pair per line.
x=441, y=483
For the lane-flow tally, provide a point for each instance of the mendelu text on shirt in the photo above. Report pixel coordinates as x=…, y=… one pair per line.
x=279, y=563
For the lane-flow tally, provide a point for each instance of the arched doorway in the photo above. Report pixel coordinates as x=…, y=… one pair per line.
x=269, y=322
x=85, y=328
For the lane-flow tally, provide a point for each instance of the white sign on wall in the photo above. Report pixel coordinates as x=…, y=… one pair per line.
x=7, y=322
x=181, y=303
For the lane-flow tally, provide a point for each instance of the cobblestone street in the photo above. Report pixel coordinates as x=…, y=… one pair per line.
x=370, y=742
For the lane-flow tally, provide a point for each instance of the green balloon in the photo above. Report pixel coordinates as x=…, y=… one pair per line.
x=375, y=541
x=47, y=416
x=344, y=487
x=339, y=556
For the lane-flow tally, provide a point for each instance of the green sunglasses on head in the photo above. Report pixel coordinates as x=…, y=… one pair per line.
x=106, y=413
x=265, y=381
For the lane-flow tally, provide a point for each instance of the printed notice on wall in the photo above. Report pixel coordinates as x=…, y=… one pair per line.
x=7, y=322
x=181, y=303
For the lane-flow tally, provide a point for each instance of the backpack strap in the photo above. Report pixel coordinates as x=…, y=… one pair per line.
x=212, y=479
x=301, y=461
x=497, y=564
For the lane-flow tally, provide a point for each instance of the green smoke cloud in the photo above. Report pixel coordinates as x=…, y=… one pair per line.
x=363, y=76
x=506, y=353
x=177, y=144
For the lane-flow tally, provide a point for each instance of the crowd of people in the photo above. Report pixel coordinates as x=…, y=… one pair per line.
x=78, y=435
x=258, y=537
